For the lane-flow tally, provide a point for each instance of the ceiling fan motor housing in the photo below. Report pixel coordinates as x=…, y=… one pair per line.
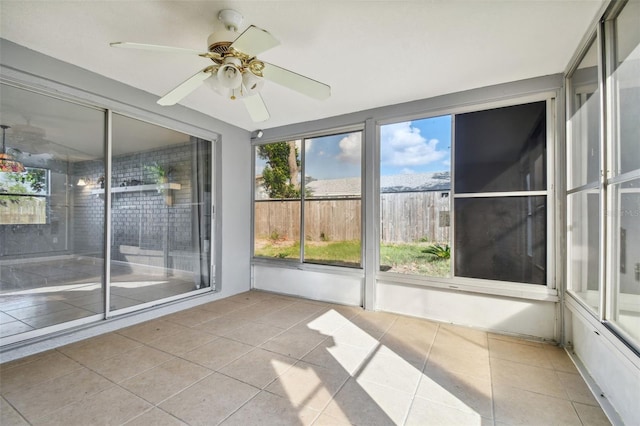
x=220, y=40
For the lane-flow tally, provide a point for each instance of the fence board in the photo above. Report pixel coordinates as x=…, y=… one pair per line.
x=405, y=217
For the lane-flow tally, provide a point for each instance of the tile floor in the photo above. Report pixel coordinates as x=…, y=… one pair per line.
x=40, y=294
x=259, y=358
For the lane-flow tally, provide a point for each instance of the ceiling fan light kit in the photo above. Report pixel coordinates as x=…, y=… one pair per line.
x=236, y=72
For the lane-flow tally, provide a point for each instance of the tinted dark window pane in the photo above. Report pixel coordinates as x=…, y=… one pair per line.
x=501, y=238
x=501, y=149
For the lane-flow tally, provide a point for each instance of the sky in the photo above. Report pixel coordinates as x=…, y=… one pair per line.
x=418, y=146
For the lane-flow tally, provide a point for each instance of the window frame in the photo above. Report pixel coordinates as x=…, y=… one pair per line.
x=46, y=197
x=300, y=262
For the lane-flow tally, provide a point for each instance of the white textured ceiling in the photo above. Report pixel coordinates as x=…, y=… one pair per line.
x=372, y=53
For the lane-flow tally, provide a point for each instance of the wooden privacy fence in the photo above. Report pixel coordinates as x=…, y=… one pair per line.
x=22, y=210
x=405, y=217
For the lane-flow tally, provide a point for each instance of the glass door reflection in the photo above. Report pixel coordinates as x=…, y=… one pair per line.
x=160, y=213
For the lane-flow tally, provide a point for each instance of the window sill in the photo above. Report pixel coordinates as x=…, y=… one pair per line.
x=494, y=288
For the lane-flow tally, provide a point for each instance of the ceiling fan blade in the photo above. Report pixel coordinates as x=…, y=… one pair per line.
x=253, y=41
x=186, y=87
x=297, y=82
x=256, y=107
x=156, y=48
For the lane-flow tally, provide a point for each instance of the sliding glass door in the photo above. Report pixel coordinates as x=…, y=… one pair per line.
x=51, y=256
x=60, y=195
x=160, y=213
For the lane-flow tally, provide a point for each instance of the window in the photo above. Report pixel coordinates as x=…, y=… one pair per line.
x=603, y=198
x=415, y=181
x=316, y=219
x=623, y=179
x=23, y=197
x=500, y=205
x=497, y=217
x=583, y=180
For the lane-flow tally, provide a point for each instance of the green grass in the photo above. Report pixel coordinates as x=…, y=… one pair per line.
x=336, y=253
x=411, y=259
x=400, y=258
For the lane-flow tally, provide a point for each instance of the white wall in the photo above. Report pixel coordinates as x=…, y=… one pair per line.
x=526, y=318
x=340, y=287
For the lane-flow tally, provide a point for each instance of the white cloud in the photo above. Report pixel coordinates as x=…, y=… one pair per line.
x=446, y=162
x=308, y=144
x=403, y=145
x=351, y=148
x=407, y=171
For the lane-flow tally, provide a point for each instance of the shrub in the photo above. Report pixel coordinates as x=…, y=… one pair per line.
x=439, y=251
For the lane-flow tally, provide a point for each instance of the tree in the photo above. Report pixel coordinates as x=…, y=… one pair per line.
x=280, y=175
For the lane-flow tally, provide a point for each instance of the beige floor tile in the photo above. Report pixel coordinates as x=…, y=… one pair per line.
x=295, y=342
x=40, y=370
x=463, y=335
x=250, y=297
x=414, y=327
x=346, y=311
x=413, y=348
x=325, y=322
x=374, y=323
x=308, y=385
x=156, y=417
x=9, y=416
x=182, y=342
x=522, y=376
x=44, y=398
x=220, y=326
x=590, y=415
x=192, y=317
x=514, y=339
x=330, y=354
x=258, y=367
x=406, y=370
x=269, y=409
x=110, y=407
x=218, y=353
x=222, y=307
x=326, y=420
x=258, y=310
x=576, y=388
x=559, y=359
x=464, y=393
x=517, y=352
x=391, y=371
x=25, y=360
x=471, y=361
x=425, y=412
x=129, y=364
x=99, y=348
x=253, y=333
x=353, y=335
x=368, y=404
x=517, y=406
x=165, y=380
x=289, y=315
x=210, y=400
x=151, y=330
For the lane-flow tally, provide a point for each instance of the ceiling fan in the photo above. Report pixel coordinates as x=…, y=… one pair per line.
x=236, y=72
